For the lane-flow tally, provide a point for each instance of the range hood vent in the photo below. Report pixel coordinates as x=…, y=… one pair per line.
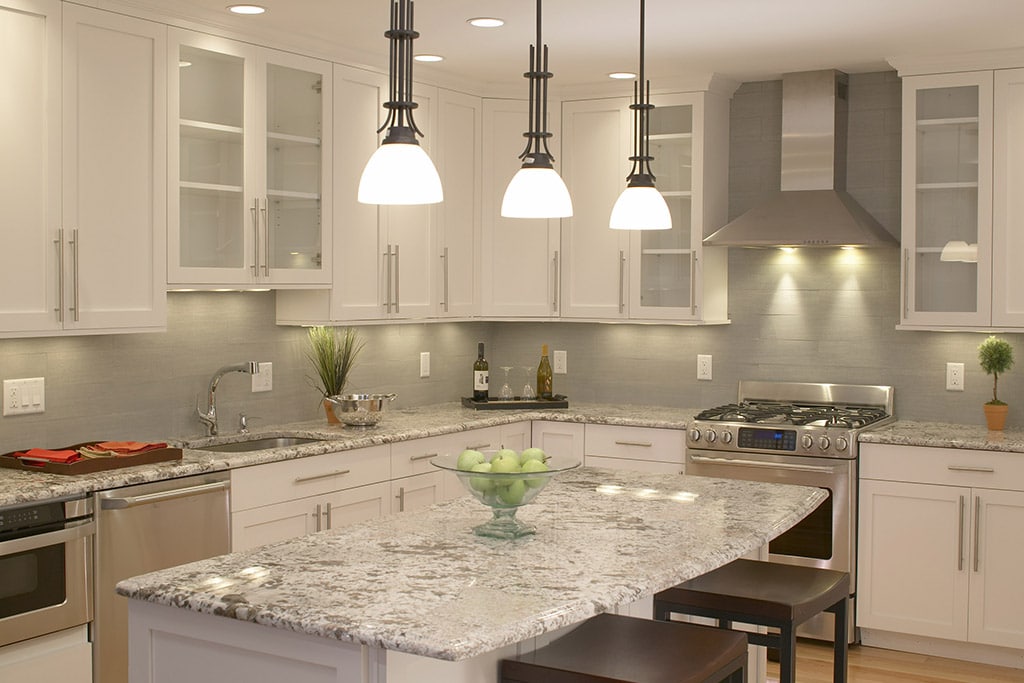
x=813, y=208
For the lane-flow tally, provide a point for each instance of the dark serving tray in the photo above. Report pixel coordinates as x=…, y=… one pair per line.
x=559, y=401
x=87, y=465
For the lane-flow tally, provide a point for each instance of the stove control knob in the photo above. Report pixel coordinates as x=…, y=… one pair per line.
x=824, y=442
x=806, y=441
x=694, y=434
x=842, y=444
x=726, y=437
x=712, y=436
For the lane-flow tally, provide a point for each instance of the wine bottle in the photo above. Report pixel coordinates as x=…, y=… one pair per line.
x=544, y=375
x=481, y=377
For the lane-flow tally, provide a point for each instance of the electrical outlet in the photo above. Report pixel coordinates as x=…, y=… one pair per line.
x=561, y=363
x=24, y=396
x=704, y=366
x=264, y=379
x=954, y=376
x=425, y=364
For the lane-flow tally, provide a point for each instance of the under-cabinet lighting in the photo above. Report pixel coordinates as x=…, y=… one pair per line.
x=182, y=63
x=622, y=75
x=486, y=22
x=429, y=58
x=246, y=9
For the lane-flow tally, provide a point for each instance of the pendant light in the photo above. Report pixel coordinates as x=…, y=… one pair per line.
x=400, y=172
x=641, y=206
x=536, y=190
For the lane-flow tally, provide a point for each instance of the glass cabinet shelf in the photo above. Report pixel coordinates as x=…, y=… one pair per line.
x=209, y=187
x=205, y=130
x=957, y=121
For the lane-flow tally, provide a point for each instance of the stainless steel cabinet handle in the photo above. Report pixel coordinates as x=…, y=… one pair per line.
x=444, y=263
x=60, y=275
x=401, y=498
x=266, y=236
x=977, y=530
x=556, y=283
x=325, y=475
x=425, y=456
x=622, y=277
x=329, y=516
x=71, y=533
x=255, y=210
x=75, y=248
x=906, y=283
x=317, y=511
x=478, y=447
x=738, y=462
x=387, y=280
x=969, y=468
x=162, y=496
x=693, y=283
x=960, y=538
x=398, y=281
x=642, y=444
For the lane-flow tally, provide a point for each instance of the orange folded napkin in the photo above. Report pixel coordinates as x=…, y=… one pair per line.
x=42, y=455
x=115, y=448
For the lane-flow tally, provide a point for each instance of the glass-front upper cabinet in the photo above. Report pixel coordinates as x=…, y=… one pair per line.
x=947, y=199
x=247, y=200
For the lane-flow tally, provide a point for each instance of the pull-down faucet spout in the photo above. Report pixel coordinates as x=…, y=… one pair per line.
x=209, y=418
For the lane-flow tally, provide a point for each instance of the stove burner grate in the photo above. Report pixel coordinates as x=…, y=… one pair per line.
x=772, y=412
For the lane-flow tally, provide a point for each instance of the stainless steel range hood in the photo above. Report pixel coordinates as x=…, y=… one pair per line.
x=813, y=209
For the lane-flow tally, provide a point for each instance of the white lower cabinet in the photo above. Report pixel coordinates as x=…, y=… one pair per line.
x=643, y=449
x=64, y=657
x=940, y=550
x=559, y=438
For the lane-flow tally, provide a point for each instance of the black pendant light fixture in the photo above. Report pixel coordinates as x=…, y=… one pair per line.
x=400, y=172
x=536, y=190
x=641, y=206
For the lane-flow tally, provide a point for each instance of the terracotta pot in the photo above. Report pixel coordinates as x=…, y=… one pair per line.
x=331, y=417
x=995, y=416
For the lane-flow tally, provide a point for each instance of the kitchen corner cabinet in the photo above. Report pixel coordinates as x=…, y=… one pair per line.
x=939, y=548
x=247, y=155
x=563, y=439
x=642, y=449
x=662, y=275
x=519, y=256
x=82, y=178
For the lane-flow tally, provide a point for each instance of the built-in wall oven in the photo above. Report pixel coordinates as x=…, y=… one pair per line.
x=797, y=433
x=46, y=568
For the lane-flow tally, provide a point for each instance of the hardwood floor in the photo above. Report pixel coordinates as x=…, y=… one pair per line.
x=874, y=665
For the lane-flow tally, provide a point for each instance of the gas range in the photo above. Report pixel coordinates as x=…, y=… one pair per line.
x=793, y=418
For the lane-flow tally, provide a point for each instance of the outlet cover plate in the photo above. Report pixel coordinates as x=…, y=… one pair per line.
x=954, y=376
x=24, y=396
x=264, y=379
x=561, y=363
x=425, y=364
x=704, y=367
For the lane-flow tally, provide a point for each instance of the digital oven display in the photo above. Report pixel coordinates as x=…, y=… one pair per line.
x=767, y=439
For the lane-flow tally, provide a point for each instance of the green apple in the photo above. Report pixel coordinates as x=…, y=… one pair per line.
x=468, y=458
x=532, y=454
x=505, y=461
x=481, y=484
x=507, y=453
x=535, y=466
x=513, y=493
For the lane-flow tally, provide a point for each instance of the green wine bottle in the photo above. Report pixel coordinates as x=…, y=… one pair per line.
x=544, y=376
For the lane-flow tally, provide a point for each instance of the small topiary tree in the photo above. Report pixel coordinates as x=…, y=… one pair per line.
x=996, y=357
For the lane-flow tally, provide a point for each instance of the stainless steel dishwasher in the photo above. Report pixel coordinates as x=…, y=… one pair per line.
x=144, y=528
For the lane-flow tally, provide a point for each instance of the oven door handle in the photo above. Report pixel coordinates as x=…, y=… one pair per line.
x=739, y=462
x=71, y=533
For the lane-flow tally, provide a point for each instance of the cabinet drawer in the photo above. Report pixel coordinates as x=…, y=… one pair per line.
x=947, y=466
x=635, y=443
x=652, y=466
x=413, y=457
x=290, y=479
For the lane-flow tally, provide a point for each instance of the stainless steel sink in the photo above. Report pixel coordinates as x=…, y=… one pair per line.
x=257, y=444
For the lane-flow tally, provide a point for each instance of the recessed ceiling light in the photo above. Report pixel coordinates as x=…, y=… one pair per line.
x=429, y=58
x=184, y=63
x=246, y=9
x=622, y=75
x=486, y=22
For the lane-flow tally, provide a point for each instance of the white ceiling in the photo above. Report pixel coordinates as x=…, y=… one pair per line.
x=743, y=40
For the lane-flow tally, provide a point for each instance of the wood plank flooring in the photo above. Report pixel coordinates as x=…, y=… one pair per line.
x=874, y=665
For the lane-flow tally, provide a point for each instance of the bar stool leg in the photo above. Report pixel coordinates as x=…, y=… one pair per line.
x=839, y=654
x=787, y=654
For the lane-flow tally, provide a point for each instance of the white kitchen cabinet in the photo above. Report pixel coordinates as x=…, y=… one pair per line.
x=563, y=439
x=415, y=481
x=419, y=491
x=1008, y=200
x=82, y=177
x=519, y=256
x=665, y=275
x=643, y=449
x=938, y=551
x=64, y=656
x=249, y=166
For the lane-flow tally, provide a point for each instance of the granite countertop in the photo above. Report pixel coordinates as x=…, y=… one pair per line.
x=424, y=584
x=944, y=435
x=18, y=487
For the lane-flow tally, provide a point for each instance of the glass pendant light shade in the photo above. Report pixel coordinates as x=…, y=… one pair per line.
x=400, y=173
x=536, y=192
x=640, y=208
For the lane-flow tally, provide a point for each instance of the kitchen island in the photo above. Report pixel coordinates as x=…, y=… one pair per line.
x=419, y=597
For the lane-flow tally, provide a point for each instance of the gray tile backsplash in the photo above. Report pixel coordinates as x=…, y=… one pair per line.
x=816, y=315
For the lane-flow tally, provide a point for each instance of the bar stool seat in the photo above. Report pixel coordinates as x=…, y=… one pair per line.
x=612, y=648
x=767, y=594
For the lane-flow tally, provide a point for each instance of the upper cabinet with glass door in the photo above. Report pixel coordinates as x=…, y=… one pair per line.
x=947, y=200
x=246, y=153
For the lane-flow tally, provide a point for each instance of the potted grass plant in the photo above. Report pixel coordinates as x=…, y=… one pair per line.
x=995, y=357
x=333, y=352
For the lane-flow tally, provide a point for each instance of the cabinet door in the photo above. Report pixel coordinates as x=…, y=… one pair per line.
x=1007, y=200
x=947, y=199
x=414, y=493
x=271, y=523
x=596, y=138
x=520, y=256
x=353, y=506
x=30, y=166
x=114, y=184
x=559, y=438
x=997, y=593
x=913, y=560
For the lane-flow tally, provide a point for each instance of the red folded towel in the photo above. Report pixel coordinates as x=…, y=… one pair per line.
x=42, y=455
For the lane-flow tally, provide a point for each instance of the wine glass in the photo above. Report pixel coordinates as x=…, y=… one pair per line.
x=528, y=393
x=506, y=389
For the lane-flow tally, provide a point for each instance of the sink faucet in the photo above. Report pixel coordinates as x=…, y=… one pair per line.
x=209, y=418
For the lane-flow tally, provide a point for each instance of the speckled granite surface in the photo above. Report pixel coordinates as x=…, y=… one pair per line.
x=423, y=583
x=400, y=425
x=942, y=435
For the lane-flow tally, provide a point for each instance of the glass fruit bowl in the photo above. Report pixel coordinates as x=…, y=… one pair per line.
x=504, y=481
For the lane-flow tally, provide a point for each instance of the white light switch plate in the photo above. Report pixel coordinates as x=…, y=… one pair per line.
x=24, y=396
x=264, y=379
x=561, y=363
x=425, y=364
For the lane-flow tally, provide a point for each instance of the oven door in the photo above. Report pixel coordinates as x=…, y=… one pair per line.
x=45, y=586
x=825, y=538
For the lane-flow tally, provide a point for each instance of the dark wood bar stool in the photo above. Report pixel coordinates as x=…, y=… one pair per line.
x=778, y=596
x=611, y=648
